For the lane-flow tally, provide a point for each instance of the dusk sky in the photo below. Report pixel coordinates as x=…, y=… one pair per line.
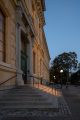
x=62, y=27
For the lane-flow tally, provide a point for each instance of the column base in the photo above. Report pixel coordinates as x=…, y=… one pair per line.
x=19, y=78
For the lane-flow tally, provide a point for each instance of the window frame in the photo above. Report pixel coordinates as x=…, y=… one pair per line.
x=2, y=30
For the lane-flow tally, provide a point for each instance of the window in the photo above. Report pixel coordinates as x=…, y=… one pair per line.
x=34, y=62
x=2, y=35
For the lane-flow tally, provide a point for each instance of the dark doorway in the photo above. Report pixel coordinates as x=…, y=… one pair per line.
x=24, y=56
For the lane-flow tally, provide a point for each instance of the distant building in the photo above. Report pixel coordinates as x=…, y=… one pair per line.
x=23, y=47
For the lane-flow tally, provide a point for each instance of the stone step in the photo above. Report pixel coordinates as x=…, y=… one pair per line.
x=28, y=93
x=25, y=90
x=32, y=106
x=27, y=104
x=22, y=95
x=39, y=92
x=21, y=99
x=23, y=102
x=24, y=109
x=22, y=91
x=28, y=98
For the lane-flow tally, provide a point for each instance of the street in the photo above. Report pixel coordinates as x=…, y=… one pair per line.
x=72, y=97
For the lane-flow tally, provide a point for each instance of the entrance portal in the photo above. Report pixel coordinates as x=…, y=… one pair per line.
x=24, y=56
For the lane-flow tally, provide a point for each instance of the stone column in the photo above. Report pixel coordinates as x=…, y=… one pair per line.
x=30, y=58
x=18, y=55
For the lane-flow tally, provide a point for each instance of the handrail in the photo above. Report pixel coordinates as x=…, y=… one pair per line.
x=43, y=82
x=40, y=80
x=36, y=77
x=7, y=80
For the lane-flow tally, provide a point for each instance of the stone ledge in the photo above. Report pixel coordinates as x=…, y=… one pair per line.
x=7, y=67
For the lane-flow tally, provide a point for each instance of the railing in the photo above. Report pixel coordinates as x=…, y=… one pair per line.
x=42, y=84
x=8, y=80
x=38, y=81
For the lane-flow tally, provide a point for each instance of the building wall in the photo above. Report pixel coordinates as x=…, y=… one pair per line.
x=8, y=68
x=24, y=16
x=40, y=48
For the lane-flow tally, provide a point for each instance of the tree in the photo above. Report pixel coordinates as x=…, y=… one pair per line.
x=66, y=62
x=78, y=66
x=75, y=78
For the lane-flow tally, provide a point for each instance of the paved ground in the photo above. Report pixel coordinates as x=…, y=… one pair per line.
x=72, y=96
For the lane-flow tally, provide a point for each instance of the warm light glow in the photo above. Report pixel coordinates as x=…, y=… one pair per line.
x=61, y=71
x=54, y=77
x=46, y=89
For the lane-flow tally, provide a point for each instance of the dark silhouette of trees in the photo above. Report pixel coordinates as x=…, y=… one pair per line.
x=78, y=66
x=66, y=62
x=75, y=78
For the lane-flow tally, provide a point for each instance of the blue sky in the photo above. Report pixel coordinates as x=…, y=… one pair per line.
x=62, y=27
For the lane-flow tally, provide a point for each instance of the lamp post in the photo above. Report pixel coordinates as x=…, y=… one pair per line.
x=68, y=78
x=54, y=78
x=61, y=71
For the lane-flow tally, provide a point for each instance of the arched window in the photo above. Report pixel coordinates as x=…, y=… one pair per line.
x=2, y=36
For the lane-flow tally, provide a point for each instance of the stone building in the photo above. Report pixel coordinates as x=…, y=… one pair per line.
x=23, y=46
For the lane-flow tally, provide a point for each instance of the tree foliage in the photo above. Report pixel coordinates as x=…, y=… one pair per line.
x=65, y=61
x=75, y=78
x=78, y=66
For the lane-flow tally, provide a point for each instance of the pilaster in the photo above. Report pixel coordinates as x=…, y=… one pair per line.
x=18, y=55
x=30, y=58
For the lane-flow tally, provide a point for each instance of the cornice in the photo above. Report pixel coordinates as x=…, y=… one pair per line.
x=21, y=4
x=45, y=42
x=40, y=5
x=43, y=5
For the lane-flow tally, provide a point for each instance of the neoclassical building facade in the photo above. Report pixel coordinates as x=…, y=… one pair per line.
x=23, y=46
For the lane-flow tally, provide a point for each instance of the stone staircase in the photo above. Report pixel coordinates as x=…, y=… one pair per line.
x=28, y=101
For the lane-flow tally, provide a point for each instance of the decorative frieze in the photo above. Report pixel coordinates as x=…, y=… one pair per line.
x=40, y=10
